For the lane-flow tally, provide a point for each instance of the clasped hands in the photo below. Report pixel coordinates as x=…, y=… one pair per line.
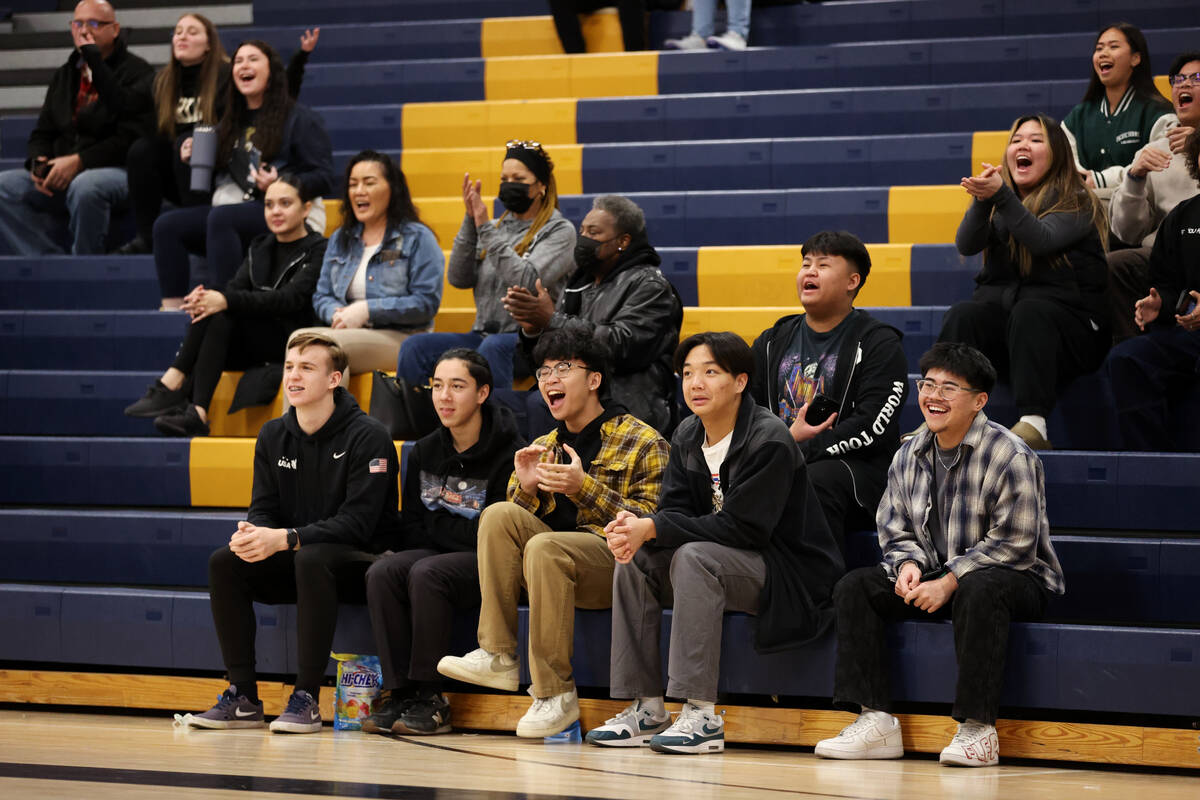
x=928, y=596
x=255, y=543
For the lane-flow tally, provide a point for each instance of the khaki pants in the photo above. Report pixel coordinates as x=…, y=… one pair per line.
x=367, y=348
x=561, y=571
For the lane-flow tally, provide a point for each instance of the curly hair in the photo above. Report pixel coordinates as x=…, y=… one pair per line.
x=1191, y=153
x=272, y=115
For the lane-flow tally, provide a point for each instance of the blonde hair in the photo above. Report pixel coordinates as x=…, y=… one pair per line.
x=1061, y=190
x=547, y=209
x=306, y=339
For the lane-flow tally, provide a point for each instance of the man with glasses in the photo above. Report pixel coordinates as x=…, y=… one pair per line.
x=963, y=530
x=548, y=538
x=97, y=104
x=1156, y=182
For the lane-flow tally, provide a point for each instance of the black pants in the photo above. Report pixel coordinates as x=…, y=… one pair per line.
x=1128, y=282
x=315, y=577
x=566, y=20
x=1147, y=373
x=223, y=342
x=834, y=484
x=412, y=596
x=156, y=174
x=219, y=233
x=986, y=601
x=1039, y=346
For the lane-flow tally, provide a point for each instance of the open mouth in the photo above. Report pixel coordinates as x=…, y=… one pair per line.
x=1023, y=161
x=936, y=409
x=294, y=388
x=1105, y=67
x=362, y=206
x=555, y=398
x=246, y=78
x=809, y=285
x=445, y=411
x=1186, y=98
x=699, y=399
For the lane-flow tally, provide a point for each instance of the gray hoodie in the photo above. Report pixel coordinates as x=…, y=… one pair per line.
x=484, y=259
x=1140, y=206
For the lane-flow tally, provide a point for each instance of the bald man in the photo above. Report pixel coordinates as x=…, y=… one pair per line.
x=97, y=104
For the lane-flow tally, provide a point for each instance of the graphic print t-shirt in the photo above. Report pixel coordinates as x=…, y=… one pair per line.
x=808, y=368
x=465, y=497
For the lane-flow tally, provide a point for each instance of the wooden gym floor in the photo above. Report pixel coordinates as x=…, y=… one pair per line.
x=47, y=754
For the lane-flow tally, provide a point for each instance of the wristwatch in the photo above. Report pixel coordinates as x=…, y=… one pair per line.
x=293, y=538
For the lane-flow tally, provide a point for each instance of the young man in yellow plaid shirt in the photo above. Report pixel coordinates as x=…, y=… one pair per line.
x=549, y=536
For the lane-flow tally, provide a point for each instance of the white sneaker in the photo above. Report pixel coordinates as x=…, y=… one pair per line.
x=729, y=40
x=695, y=731
x=633, y=727
x=973, y=745
x=496, y=671
x=549, y=715
x=875, y=734
x=693, y=41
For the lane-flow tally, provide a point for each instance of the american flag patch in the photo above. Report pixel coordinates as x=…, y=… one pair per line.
x=377, y=465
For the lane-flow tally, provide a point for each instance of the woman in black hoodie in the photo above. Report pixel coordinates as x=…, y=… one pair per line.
x=247, y=324
x=452, y=474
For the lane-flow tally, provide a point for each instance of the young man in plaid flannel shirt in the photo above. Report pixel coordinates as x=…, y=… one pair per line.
x=549, y=537
x=964, y=534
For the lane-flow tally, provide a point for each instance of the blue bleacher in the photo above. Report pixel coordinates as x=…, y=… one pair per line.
x=320, y=12
x=92, y=471
x=63, y=282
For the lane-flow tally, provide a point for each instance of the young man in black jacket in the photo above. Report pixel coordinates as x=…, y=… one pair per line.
x=97, y=105
x=452, y=475
x=324, y=502
x=618, y=291
x=1150, y=372
x=840, y=357
x=738, y=529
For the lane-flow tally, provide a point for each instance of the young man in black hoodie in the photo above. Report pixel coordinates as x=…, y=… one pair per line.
x=324, y=502
x=841, y=357
x=452, y=475
x=619, y=293
x=97, y=105
x=738, y=529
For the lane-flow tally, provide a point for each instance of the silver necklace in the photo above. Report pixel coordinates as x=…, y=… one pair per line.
x=937, y=451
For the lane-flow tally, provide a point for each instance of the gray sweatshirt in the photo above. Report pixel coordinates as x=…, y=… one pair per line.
x=1140, y=205
x=550, y=257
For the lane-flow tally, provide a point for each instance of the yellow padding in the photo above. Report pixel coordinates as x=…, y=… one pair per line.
x=535, y=36
x=221, y=471
x=744, y=321
x=488, y=123
x=766, y=275
x=246, y=422
x=987, y=146
x=451, y=319
x=591, y=75
x=333, y=216
x=1163, y=84
x=925, y=214
x=438, y=172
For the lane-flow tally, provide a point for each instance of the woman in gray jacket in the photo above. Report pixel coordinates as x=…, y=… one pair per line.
x=530, y=245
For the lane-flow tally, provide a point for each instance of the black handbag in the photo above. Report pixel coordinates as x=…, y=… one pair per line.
x=407, y=411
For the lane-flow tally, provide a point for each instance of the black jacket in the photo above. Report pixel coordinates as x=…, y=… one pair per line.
x=103, y=131
x=636, y=313
x=250, y=292
x=337, y=485
x=305, y=150
x=1175, y=258
x=438, y=479
x=769, y=506
x=869, y=385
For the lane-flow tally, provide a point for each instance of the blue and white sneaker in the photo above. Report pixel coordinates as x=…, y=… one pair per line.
x=302, y=715
x=694, y=731
x=633, y=727
x=232, y=710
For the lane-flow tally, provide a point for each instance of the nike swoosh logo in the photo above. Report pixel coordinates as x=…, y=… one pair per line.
x=237, y=712
x=709, y=731
x=336, y=456
x=314, y=715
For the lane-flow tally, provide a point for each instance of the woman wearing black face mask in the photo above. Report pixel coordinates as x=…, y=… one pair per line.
x=529, y=246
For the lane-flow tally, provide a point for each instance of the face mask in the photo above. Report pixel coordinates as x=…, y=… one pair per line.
x=515, y=196
x=586, y=257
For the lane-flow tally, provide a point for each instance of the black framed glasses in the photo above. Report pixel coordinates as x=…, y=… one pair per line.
x=90, y=24
x=1179, y=79
x=560, y=370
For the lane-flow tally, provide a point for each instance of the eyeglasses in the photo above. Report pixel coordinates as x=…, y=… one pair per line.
x=94, y=24
x=1180, y=79
x=560, y=370
x=946, y=391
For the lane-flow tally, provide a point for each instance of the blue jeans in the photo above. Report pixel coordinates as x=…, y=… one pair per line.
x=738, y=13
x=420, y=353
x=31, y=224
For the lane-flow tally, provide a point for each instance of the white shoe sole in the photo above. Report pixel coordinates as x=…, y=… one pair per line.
x=295, y=727
x=890, y=751
x=632, y=741
x=711, y=746
x=220, y=725
x=529, y=731
x=451, y=667
x=952, y=760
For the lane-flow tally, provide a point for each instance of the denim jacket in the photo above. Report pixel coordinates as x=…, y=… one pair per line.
x=404, y=279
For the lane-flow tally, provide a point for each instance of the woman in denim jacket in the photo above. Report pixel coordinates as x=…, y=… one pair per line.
x=382, y=276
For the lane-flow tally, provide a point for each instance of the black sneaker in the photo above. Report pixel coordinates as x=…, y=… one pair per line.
x=388, y=709
x=137, y=246
x=157, y=400
x=184, y=422
x=428, y=714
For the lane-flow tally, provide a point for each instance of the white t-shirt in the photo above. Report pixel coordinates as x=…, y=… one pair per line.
x=714, y=456
x=358, y=284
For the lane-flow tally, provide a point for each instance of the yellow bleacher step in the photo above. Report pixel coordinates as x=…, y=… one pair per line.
x=585, y=75
x=925, y=214
x=248, y=421
x=752, y=276
x=532, y=36
x=488, y=123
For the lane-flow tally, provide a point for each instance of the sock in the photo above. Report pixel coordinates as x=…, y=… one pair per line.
x=703, y=705
x=971, y=721
x=249, y=691
x=654, y=705
x=1039, y=423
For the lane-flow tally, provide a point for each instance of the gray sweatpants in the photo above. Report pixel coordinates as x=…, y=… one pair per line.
x=700, y=581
